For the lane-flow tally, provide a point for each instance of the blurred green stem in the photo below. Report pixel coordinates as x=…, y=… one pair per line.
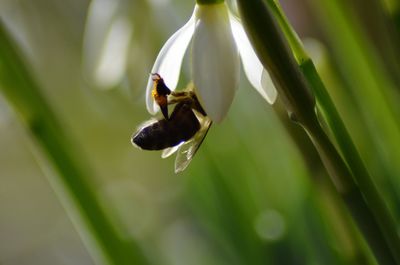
x=373, y=90
x=324, y=188
x=360, y=207
x=375, y=222
x=336, y=125
x=381, y=30
x=25, y=96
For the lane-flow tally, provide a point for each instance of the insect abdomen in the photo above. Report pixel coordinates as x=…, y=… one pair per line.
x=182, y=126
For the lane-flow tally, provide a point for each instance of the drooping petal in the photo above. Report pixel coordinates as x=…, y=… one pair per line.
x=268, y=87
x=215, y=60
x=255, y=72
x=112, y=64
x=106, y=42
x=169, y=61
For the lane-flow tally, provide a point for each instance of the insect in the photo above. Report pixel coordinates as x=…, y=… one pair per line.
x=183, y=131
x=160, y=93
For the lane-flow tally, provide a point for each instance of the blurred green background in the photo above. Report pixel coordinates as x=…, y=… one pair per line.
x=251, y=195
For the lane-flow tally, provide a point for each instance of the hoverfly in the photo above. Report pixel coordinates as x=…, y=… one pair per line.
x=183, y=131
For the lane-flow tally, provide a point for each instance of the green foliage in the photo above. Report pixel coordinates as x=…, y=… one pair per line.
x=256, y=192
x=24, y=94
x=352, y=180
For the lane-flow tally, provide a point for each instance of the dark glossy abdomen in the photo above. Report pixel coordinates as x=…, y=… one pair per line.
x=181, y=126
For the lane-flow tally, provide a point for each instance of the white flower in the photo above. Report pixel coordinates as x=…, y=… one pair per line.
x=106, y=44
x=218, y=40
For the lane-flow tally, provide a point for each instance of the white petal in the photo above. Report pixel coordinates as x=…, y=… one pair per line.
x=169, y=61
x=106, y=41
x=113, y=59
x=268, y=88
x=100, y=16
x=215, y=60
x=255, y=72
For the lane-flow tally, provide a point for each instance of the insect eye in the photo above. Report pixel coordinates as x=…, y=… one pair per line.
x=155, y=77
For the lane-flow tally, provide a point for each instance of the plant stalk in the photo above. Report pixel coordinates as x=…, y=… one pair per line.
x=25, y=96
x=275, y=55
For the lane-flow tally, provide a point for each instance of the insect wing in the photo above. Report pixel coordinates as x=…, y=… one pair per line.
x=170, y=151
x=189, y=149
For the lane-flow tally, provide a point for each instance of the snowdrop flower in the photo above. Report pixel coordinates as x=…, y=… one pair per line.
x=115, y=51
x=106, y=46
x=218, y=42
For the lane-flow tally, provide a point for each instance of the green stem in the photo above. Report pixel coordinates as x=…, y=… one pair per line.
x=277, y=58
x=353, y=158
x=293, y=39
x=381, y=30
x=371, y=86
x=391, y=5
x=360, y=209
x=323, y=185
x=341, y=134
x=25, y=96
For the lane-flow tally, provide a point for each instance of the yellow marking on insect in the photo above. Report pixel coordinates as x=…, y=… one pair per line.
x=154, y=92
x=160, y=99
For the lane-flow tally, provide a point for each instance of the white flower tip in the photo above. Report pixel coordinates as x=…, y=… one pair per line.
x=270, y=93
x=216, y=98
x=316, y=50
x=217, y=113
x=113, y=58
